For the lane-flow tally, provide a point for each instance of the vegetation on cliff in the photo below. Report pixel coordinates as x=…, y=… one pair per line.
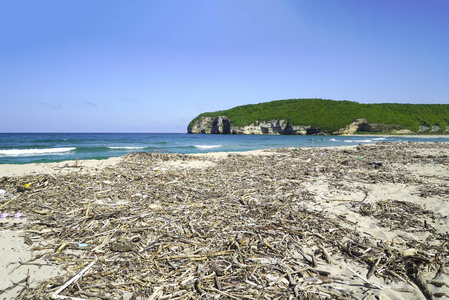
x=330, y=115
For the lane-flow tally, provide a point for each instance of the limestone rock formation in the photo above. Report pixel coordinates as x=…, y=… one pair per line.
x=402, y=131
x=359, y=125
x=423, y=128
x=222, y=125
x=272, y=127
x=433, y=128
x=203, y=125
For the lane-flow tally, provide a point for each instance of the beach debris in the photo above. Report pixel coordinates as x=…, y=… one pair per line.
x=74, y=279
x=122, y=246
x=376, y=164
x=242, y=226
x=28, y=240
x=21, y=189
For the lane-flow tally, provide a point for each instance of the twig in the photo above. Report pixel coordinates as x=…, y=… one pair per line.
x=221, y=293
x=325, y=254
x=74, y=279
x=367, y=281
x=27, y=283
x=373, y=267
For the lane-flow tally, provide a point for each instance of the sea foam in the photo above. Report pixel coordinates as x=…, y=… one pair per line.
x=357, y=141
x=207, y=146
x=31, y=152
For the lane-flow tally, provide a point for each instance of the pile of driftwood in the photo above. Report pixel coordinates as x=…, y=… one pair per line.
x=236, y=230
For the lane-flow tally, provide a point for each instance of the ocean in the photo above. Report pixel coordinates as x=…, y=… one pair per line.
x=23, y=148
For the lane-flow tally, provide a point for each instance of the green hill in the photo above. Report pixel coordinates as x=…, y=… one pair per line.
x=330, y=115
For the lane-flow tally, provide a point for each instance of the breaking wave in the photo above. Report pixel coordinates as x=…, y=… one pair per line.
x=208, y=146
x=32, y=152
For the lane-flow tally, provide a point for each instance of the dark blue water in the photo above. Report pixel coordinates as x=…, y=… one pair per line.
x=21, y=148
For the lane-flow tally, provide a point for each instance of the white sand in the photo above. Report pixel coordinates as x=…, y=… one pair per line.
x=93, y=165
x=18, y=265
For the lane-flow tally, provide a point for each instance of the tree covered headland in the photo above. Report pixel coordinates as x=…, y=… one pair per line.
x=330, y=115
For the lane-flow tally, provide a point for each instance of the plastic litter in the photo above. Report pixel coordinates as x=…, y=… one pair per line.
x=4, y=215
x=17, y=215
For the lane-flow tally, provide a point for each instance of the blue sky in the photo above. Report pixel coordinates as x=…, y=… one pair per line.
x=153, y=65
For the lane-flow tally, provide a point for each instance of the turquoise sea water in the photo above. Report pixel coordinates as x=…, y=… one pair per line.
x=21, y=148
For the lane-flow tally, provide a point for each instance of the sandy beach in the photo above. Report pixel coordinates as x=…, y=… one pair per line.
x=359, y=222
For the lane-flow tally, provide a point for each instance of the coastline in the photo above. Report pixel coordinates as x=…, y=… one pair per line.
x=93, y=165
x=70, y=147
x=384, y=202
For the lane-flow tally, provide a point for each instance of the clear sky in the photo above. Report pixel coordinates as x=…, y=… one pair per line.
x=153, y=65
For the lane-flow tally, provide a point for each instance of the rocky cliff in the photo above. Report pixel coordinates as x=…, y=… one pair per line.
x=209, y=125
x=222, y=125
x=362, y=125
